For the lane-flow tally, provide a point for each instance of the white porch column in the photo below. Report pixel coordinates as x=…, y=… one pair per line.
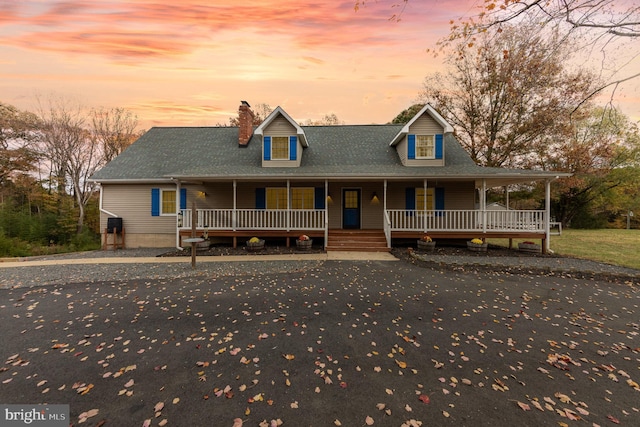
x=483, y=205
x=547, y=215
x=178, y=203
x=234, y=216
x=424, y=208
x=326, y=212
x=506, y=196
x=288, y=205
x=384, y=196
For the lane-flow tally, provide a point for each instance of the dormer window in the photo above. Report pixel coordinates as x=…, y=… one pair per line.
x=425, y=147
x=279, y=148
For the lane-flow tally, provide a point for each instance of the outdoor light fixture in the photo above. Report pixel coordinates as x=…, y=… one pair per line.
x=374, y=198
x=329, y=199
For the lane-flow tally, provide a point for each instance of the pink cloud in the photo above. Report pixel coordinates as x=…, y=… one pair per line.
x=140, y=28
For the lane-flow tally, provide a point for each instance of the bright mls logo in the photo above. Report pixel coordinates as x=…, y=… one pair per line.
x=34, y=415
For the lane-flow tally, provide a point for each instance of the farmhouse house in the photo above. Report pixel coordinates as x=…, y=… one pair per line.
x=348, y=186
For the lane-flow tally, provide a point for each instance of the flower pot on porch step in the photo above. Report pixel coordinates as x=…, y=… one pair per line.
x=477, y=247
x=426, y=246
x=304, y=245
x=255, y=246
x=529, y=247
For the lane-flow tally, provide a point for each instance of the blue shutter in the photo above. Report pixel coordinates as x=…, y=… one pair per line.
x=439, y=194
x=410, y=201
x=411, y=154
x=183, y=198
x=261, y=198
x=319, y=199
x=293, y=147
x=439, y=145
x=155, y=202
x=267, y=147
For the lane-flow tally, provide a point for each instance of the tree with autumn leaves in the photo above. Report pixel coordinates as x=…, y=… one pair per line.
x=516, y=102
x=45, y=162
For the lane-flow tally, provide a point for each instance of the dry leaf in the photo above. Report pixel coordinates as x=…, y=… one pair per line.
x=402, y=365
x=237, y=422
x=368, y=421
x=523, y=406
x=158, y=407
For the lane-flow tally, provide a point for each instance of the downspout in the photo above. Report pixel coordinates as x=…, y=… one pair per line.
x=547, y=216
x=384, y=218
x=103, y=210
x=288, y=207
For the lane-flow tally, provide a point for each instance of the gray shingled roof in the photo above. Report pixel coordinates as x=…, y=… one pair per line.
x=350, y=152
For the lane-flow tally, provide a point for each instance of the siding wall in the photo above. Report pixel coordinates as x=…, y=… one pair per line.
x=425, y=125
x=133, y=204
x=281, y=127
x=371, y=214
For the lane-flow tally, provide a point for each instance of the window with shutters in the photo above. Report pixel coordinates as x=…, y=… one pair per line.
x=279, y=148
x=302, y=198
x=425, y=147
x=168, y=202
x=277, y=198
x=420, y=199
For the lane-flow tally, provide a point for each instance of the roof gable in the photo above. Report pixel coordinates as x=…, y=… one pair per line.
x=280, y=112
x=427, y=109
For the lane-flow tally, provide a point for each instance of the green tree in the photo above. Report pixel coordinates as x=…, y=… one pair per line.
x=602, y=153
x=406, y=115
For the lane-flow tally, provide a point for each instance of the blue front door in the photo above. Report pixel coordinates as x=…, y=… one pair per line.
x=351, y=208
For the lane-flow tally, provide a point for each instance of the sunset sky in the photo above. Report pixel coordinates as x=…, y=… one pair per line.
x=190, y=63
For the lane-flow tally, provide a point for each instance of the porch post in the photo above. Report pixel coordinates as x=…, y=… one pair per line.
x=326, y=212
x=178, y=202
x=424, y=208
x=288, y=208
x=506, y=196
x=547, y=215
x=483, y=205
x=234, y=216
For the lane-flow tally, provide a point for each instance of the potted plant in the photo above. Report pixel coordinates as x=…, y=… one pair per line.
x=205, y=243
x=426, y=243
x=304, y=242
x=529, y=247
x=255, y=244
x=477, y=245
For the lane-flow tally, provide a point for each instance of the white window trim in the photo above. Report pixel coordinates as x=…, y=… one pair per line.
x=430, y=209
x=313, y=198
x=433, y=142
x=267, y=197
x=288, y=156
x=162, y=203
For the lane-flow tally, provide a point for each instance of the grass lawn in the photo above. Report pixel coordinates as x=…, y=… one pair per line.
x=619, y=247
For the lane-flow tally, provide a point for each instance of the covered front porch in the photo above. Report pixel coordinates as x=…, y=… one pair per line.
x=374, y=206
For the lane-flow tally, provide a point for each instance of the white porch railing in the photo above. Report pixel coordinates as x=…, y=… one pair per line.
x=466, y=220
x=256, y=219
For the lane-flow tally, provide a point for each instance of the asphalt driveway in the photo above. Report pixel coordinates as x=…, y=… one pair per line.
x=349, y=343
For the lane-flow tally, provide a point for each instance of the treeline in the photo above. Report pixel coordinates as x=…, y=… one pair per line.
x=47, y=203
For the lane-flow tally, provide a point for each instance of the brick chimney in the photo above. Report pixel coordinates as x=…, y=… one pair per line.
x=245, y=120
